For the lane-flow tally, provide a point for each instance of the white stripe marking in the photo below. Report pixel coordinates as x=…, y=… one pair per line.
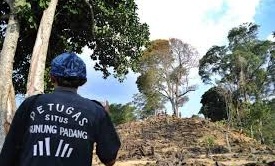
x=34, y=150
x=64, y=150
x=59, y=148
x=40, y=148
x=69, y=152
x=47, y=143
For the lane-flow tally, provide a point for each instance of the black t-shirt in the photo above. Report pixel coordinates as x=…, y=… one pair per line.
x=59, y=129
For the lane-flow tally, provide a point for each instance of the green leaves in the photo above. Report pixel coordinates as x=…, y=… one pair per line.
x=121, y=34
x=122, y=113
x=22, y=5
x=245, y=68
x=115, y=34
x=214, y=104
x=44, y=3
x=211, y=63
x=26, y=10
x=244, y=65
x=239, y=36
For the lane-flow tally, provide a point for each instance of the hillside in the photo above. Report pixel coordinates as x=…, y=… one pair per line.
x=168, y=141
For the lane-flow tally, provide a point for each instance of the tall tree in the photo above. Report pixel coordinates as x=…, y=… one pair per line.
x=259, y=116
x=39, y=54
x=245, y=67
x=165, y=68
x=269, y=126
x=7, y=99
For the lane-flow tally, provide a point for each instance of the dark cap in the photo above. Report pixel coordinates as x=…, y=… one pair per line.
x=68, y=64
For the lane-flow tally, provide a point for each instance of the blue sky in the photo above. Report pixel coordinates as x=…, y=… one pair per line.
x=201, y=23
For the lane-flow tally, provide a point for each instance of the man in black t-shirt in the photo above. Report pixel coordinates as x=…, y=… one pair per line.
x=61, y=128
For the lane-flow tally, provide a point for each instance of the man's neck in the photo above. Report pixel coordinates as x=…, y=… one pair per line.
x=66, y=89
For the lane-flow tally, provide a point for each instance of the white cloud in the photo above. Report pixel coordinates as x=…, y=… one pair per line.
x=201, y=23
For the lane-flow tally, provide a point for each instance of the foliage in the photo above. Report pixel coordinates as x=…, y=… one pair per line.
x=245, y=69
x=208, y=142
x=269, y=124
x=112, y=30
x=147, y=105
x=259, y=122
x=122, y=113
x=214, y=104
x=164, y=68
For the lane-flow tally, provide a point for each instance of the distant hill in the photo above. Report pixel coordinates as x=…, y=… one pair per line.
x=169, y=141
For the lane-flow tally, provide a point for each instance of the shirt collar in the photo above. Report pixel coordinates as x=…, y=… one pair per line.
x=61, y=88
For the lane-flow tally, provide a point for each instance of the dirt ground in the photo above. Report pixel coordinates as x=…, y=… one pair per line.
x=169, y=141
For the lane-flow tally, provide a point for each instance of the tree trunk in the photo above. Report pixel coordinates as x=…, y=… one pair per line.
x=35, y=84
x=7, y=101
x=251, y=131
x=174, y=108
x=261, y=133
x=11, y=105
x=229, y=120
x=227, y=138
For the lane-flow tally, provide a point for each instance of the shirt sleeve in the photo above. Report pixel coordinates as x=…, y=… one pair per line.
x=107, y=140
x=12, y=146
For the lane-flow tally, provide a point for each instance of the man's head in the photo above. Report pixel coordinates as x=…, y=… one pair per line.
x=68, y=70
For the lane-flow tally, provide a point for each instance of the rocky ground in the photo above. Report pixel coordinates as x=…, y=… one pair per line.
x=168, y=141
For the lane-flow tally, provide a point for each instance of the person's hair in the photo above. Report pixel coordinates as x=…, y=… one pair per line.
x=71, y=82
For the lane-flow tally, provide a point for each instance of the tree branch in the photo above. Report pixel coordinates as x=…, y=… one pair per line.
x=167, y=94
x=189, y=90
x=92, y=15
x=167, y=97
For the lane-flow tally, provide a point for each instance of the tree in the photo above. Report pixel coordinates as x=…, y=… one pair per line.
x=214, y=104
x=258, y=120
x=122, y=113
x=147, y=105
x=245, y=67
x=116, y=39
x=270, y=125
x=165, y=68
x=38, y=60
x=7, y=98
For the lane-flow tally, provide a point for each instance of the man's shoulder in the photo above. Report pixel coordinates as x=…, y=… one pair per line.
x=97, y=103
x=99, y=108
